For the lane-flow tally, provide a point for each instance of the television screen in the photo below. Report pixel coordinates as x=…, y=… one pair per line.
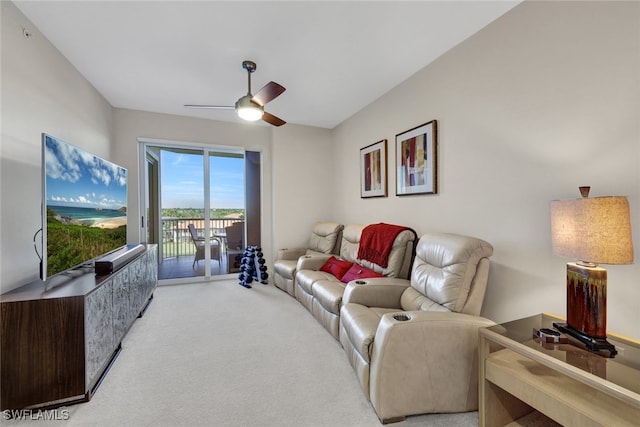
x=84, y=206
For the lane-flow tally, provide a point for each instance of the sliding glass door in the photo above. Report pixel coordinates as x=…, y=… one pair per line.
x=201, y=196
x=183, y=214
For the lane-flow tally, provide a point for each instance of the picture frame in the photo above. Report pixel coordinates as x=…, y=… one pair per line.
x=417, y=160
x=373, y=170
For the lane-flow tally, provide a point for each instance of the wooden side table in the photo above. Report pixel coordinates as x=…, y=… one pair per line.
x=565, y=382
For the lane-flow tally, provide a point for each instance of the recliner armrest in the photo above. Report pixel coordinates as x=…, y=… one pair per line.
x=376, y=292
x=290, y=254
x=312, y=262
x=425, y=364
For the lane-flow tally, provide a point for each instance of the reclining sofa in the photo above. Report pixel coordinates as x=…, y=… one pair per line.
x=321, y=291
x=413, y=343
x=325, y=239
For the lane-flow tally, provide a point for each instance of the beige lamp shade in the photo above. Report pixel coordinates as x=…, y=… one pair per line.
x=595, y=230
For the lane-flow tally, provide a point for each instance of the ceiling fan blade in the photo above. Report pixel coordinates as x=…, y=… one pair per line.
x=211, y=107
x=272, y=120
x=269, y=92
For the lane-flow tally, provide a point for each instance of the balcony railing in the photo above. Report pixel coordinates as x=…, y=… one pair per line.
x=176, y=239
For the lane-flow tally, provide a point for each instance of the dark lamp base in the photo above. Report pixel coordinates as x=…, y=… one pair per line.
x=592, y=343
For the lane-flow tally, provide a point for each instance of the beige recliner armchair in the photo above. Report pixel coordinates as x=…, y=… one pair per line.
x=413, y=343
x=325, y=239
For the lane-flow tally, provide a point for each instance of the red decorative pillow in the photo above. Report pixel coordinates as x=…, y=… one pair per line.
x=359, y=272
x=336, y=266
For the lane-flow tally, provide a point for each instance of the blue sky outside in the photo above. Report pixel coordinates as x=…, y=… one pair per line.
x=182, y=181
x=79, y=179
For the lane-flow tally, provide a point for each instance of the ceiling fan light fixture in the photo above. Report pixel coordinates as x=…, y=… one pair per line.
x=250, y=113
x=249, y=110
x=250, y=107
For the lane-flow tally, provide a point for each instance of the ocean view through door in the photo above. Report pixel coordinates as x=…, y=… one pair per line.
x=200, y=195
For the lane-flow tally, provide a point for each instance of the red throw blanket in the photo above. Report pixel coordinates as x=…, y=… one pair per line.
x=376, y=242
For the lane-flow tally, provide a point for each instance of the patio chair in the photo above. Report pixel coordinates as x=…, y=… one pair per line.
x=235, y=245
x=198, y=241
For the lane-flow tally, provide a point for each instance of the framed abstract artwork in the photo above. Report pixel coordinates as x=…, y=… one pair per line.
x=373, y=170
x=417, y=160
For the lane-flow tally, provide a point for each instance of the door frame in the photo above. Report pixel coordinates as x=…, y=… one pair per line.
x=143, y=144
x=152, y=202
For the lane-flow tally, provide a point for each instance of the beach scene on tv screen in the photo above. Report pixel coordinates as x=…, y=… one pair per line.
x=86, y=205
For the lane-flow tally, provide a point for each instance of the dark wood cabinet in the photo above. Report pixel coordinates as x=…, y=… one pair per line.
x=58, y=342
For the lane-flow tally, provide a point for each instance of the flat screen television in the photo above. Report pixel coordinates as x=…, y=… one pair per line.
x=84, y=208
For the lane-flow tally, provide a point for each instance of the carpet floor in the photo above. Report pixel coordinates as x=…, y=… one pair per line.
x=217, y=354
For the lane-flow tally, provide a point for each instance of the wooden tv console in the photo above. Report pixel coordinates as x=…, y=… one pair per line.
x=58, y=342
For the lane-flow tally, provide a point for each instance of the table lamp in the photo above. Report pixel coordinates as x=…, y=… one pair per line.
x=593, y=231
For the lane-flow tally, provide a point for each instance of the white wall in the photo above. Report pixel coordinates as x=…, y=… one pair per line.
x=41, y=92
x=303, y=190
x=541, y=101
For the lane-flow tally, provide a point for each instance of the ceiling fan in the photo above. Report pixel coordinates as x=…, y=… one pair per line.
x=251, y=107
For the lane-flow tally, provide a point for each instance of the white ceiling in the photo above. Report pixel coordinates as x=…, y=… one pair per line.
x=334, y=57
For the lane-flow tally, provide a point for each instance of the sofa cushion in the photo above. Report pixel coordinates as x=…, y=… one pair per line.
x=350, y=242
x=443, y=271
x=325, y=237
x=337, y=267
x=358, y=272
x=412, y=298
x=329, y=294
x=306, y=278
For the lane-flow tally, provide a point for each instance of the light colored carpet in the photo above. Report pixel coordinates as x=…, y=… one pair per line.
x=217, y=354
